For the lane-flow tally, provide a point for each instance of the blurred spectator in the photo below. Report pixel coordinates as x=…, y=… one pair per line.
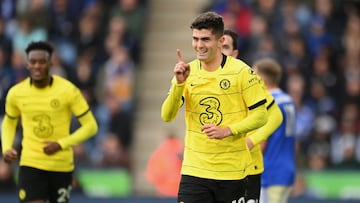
x=352, y=84
x=117, y=35
x=58, y=67
x=37, y=9
x=164, y=165
x=90, y=30
x=237, y=15
x=26, y=33
x=346, y=140
x=85, y=76
x=18, y=66
x=319, y=143
x=258, y=32
x=317, y=37
x=322, y=71
x=64, y=16
x=301, y=190
x=82, y=157
x=5, y=41
x=271, y=11
x=305, y=115
x=322, y=103
x=8, y=14
x=7, y=79
x=296, y=58
x=113, y=153
x=133, y=12
x=115, y=93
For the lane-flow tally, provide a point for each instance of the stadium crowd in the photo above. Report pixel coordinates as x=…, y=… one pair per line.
x=318, y=45
x=98, y=47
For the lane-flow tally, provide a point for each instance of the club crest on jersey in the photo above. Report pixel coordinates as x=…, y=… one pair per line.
x=225, y=84
x=251, y=71
x=55, y=103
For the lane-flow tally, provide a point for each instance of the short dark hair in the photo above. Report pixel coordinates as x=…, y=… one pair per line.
x=234, y=36
x=40, y=45
x=209, y=20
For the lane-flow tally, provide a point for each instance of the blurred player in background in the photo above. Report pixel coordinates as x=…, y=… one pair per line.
x=45, y=104
x=279, y=152
x=256, y=137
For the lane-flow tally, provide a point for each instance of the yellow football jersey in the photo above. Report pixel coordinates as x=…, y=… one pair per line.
x=45, y=116
x=260, y=135
x=222, y=97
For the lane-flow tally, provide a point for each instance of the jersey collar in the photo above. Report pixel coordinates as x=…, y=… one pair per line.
x=50, y=83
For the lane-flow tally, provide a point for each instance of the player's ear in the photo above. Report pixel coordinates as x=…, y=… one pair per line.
x=221, y=40
x=235, y=53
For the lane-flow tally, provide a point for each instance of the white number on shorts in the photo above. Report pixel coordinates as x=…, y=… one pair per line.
x=64, y=194
x=240, y=200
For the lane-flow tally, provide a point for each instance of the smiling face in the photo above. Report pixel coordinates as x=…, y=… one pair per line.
x=206, y=44
x=38, y=65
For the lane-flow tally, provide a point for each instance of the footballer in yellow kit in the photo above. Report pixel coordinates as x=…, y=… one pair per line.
x=217, y=98
x=45, y=104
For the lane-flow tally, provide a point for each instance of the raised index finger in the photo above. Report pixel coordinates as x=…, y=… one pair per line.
x=179, y=57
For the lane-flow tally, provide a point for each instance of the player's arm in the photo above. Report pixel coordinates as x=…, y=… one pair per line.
x=173, y=101
x=256, y=118
x=274, y=120
x=254, y=97
x=8, y=131
x=87, y=129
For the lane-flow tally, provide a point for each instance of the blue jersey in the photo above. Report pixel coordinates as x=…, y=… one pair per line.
x=279, y=153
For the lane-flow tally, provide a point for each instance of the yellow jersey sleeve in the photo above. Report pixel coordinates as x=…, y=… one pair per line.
x=87, y=129
x=254, y=98
x=173, y=102
x=8, y=131
x=274, y=120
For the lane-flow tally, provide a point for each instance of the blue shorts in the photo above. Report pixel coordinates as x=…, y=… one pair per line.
x=36, y=184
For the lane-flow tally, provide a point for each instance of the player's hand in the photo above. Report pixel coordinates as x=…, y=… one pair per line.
x=51, y=148
x=181, y=69
x=249, y=143
x=215, y=132
x=10, y=155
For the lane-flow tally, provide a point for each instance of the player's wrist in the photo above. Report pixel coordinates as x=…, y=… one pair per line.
x=227, y=132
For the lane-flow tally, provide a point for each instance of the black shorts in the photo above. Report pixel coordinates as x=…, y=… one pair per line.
x=253, y=187
x=201, y=190
x=36, y=184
